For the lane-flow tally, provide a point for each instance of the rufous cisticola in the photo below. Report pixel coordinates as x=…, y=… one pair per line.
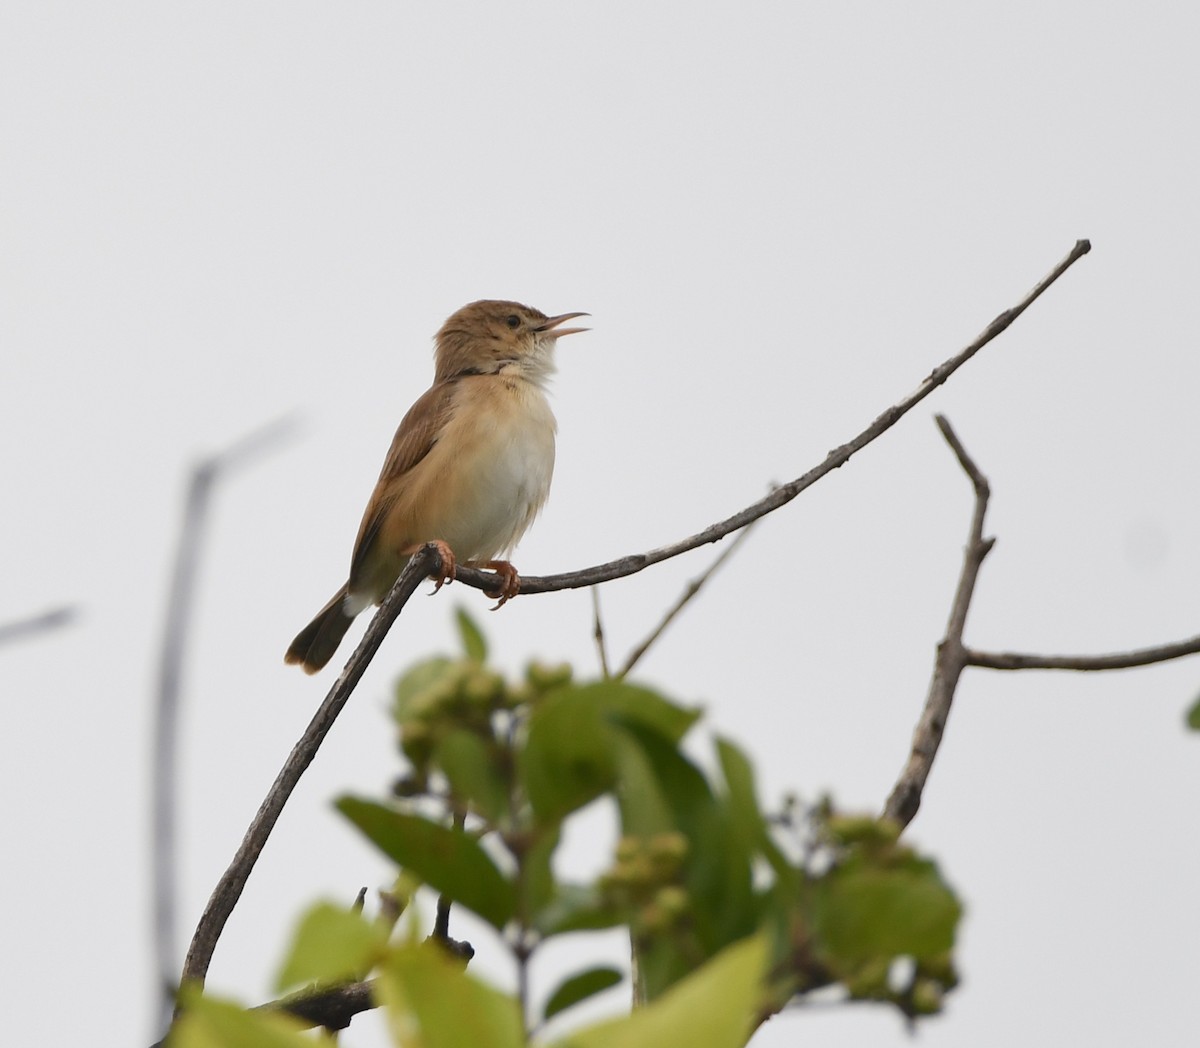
x=469, y=467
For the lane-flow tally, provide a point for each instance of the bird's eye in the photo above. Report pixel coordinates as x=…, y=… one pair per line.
x=513, y=321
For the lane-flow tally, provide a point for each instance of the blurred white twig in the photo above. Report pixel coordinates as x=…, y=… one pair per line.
x=19, y=629
x=176, y=628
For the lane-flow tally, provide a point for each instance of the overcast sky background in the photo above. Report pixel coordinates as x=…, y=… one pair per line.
x=781, y=217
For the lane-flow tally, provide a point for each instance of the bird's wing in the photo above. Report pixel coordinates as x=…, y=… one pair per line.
x=414, y=439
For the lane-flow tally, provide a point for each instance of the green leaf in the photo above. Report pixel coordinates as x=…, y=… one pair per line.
x=865, y=912
x=470, y=765
x=642, y=804
x=743, y=802
x=580, y=987
x=211, y=1023
x=719, y=869
x=473, y=642
x=1193, y=716
x=432, y=1003
x=714, y=1007
x=631, y=703
x=576, y=908
x=567, y=760
x=682, y=785
x=331, y=944
x=539, y=884
x=446, y=859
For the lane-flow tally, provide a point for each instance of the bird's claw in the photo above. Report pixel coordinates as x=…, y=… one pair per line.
x=449, y=565
x=510, y=583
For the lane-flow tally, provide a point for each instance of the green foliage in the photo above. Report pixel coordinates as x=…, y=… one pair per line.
x=731, y=912
x=432, y=1003
x=878, y=904
x=567, y=759
x=580, y=987
x=445, y=858
x=212, y=1023
x=473, y=642
x=332, y=944
x=716, y=1007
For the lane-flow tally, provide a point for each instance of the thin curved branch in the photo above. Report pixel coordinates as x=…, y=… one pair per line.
x=839, y=456
x=425, y=561
x=905, y=798
x=1122, y=660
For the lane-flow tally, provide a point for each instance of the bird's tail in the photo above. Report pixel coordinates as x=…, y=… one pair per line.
x=315, y=644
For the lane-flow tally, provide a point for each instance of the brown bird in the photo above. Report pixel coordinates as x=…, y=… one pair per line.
x=469, y=467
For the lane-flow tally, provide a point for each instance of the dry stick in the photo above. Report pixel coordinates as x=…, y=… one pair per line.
x=332, y=1008
x=425, y=561
x=688, y=594
x=176, y=630
x=616, y=569
x=905, y=799
x=1124, y=660
x=228, y=890
x=598, y=633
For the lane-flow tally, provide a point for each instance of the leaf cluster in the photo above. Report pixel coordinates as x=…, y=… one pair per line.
x=732, y=912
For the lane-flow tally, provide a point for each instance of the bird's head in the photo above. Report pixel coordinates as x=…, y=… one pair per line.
x=489, y=336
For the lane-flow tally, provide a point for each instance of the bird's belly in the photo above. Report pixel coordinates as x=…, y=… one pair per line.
x=498, y=478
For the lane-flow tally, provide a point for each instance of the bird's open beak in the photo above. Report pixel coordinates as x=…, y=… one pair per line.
x=552, y=323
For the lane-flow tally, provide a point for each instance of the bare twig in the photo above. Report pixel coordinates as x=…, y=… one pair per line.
x=34, y=624
x=176, y=630
x=598, y=633
x=954, y=656
x=224, y=897
x=905, y=799
x=426, y=561
x=332, y=1008
x=839, y=456
x=441, y=923
x=1121, y=660
x=689, y=592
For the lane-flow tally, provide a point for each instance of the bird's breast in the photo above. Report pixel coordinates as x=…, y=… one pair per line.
x=495, y=460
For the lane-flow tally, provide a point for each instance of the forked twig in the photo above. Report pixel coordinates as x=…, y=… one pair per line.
x=905, y=798
x=953, y=656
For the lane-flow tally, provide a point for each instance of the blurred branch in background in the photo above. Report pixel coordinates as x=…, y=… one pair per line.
x=35, y=624
x=176, y=628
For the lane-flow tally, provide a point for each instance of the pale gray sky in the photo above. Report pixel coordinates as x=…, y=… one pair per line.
x=781, y=216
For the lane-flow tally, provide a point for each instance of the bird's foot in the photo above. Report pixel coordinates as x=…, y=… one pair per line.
x=449, y=563
x=510, y=581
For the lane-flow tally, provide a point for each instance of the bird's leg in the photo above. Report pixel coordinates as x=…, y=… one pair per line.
x=449, y=564
x=510, y=581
